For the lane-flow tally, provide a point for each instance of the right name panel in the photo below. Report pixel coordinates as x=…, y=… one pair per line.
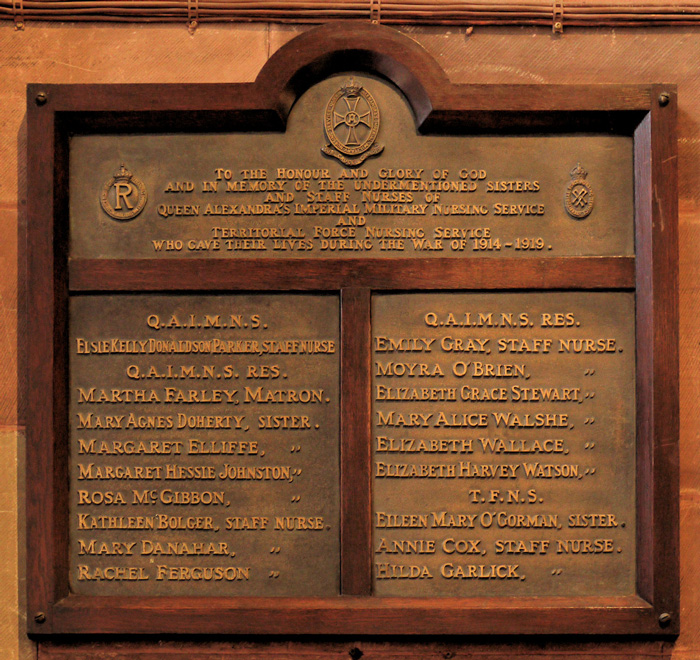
x=504, y=444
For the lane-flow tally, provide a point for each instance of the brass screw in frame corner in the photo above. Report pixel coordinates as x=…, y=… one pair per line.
x=664, y=619
x=664, y=99
x=41, y=98
x=40, y=617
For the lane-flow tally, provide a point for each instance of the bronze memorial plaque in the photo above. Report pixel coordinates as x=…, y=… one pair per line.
x=352, y=350
x=204, y=445
x=504, y=444
x=350, y=177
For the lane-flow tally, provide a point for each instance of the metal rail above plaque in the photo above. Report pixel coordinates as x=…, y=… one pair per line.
x=352, y=350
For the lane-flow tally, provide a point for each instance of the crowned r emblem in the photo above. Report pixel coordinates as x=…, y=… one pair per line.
x=351, y=122
x=123, y=196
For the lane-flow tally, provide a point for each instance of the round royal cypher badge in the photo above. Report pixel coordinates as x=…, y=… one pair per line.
x=123, y=196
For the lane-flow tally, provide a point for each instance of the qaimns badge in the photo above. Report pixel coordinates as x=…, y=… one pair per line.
x=351, y=121
x=123, y=196
x=579, y=194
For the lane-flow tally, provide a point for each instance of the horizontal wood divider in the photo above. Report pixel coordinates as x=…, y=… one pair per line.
x=130, y=104
x=87, y=275
x=344, y=615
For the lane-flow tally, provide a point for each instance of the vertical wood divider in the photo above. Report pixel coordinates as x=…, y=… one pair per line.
x=663, y=319
x=644, y=304
x=40, y=460
x=355, y=443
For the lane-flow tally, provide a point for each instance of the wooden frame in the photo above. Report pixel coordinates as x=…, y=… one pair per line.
x=648, y=113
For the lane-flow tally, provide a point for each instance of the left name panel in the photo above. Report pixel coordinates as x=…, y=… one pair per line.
x=204, y=445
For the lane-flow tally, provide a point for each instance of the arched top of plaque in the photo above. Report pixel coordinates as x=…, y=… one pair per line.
x=338, y=47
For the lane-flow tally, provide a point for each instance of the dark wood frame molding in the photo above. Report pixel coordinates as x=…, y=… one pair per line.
x=648, y=113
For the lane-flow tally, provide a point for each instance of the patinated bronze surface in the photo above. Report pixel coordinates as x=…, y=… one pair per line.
x=504, y=444
x=436, y=496
x=204, y=445
x=350, y=177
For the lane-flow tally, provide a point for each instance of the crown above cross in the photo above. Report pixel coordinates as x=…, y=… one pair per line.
x=351, y=88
